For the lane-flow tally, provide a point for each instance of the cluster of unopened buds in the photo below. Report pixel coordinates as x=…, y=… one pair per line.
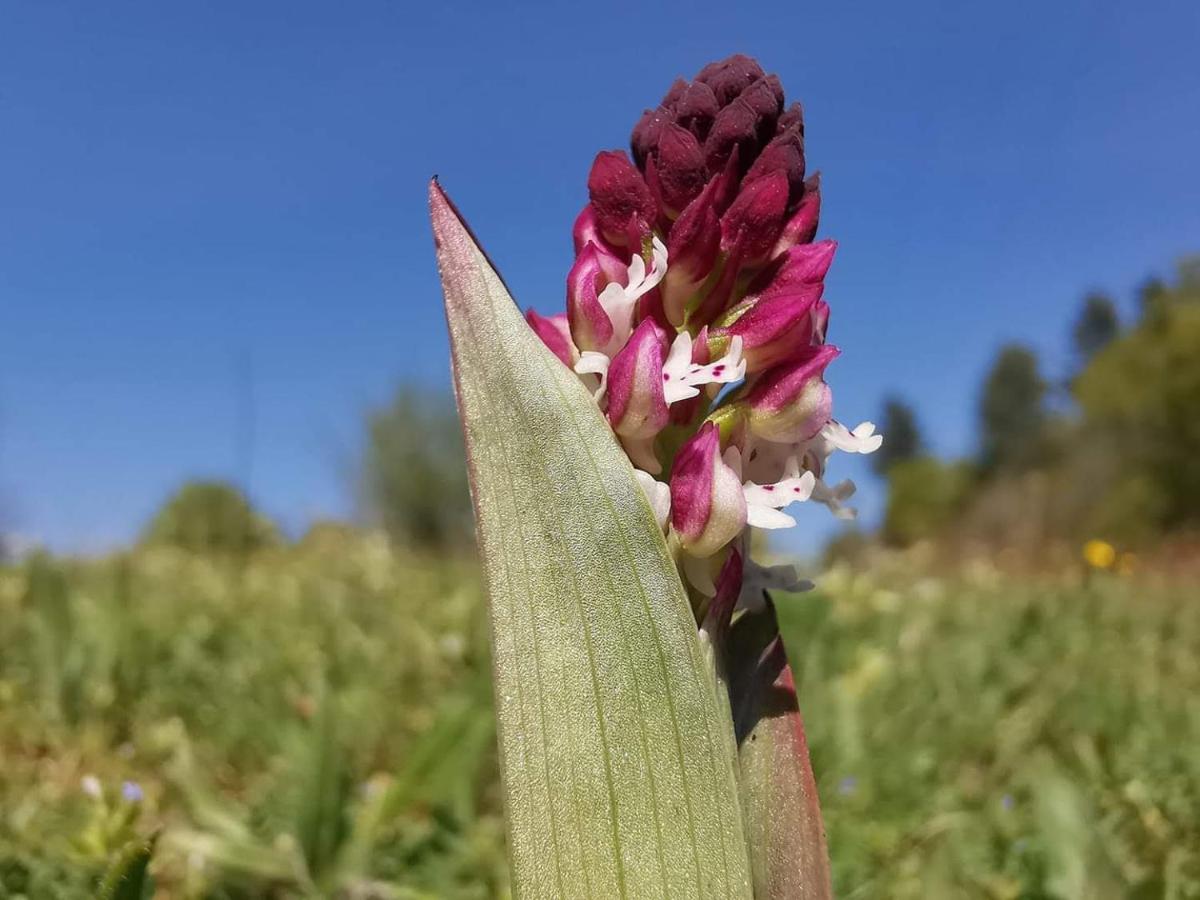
x=695, y=315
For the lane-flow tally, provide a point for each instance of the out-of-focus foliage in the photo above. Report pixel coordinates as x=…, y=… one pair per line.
x=924, y=496
x=1096, y=327
x=1012, y=414
x=902, y=436
x=414, y=472
x=318, y=723
x=1141, y=396
x=210, y=517
x=1120, y=459
x=978, y=737
x=307, y=722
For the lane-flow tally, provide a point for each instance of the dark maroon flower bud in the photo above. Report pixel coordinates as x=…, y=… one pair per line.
x=736, y=127
x=784, y=153
x=674, y=92
x=675, y=172
x=792, y=117
x=751, y=226
x=625, y=208
x=645, y=134
x=801, y=228
x=766, y=103
x=697, y=109
x=731, y=76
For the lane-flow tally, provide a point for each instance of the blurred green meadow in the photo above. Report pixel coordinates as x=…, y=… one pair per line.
x=314, y=720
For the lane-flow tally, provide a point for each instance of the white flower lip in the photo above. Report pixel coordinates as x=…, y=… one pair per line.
x=682, y=378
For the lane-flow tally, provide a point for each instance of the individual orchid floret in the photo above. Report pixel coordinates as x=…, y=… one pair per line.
x=772, y=327
x=555, y=333
x=764, y=502
x=600, y=309
x=625, y=209
x=590, y=325
x=791, y=403
x=708, y=508
x=636, y=405
x=682, y=378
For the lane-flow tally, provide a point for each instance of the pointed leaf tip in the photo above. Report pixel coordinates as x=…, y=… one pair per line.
x=451, y=229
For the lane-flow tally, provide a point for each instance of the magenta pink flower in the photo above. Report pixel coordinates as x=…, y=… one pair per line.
x=591, y=327
x=637, y=408
x=708, y=508
x=791, y=402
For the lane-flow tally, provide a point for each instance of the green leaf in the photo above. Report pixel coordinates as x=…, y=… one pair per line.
x=784, y=830
x=126, y=877
x=617, y=753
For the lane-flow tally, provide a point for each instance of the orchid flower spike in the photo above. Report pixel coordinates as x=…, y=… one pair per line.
x=696, y=316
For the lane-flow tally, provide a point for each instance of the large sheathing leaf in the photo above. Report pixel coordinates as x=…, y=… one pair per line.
x=782, y=816
x=617, y=754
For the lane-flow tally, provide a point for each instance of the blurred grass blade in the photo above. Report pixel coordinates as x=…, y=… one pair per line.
x=127, y=878
x=784, y=831
x=617, y=756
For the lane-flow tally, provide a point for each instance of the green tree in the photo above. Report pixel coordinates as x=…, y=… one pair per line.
x=210, y=517
x=1012, y=412
x=413, y=479
x=1096, y=327
x=925, y=495
x=1142, y=396
x=901, y=435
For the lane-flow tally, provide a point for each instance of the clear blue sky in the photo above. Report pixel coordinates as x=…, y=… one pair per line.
x=185, y=187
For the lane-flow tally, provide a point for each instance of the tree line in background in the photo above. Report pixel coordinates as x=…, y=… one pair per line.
x=1111, y=450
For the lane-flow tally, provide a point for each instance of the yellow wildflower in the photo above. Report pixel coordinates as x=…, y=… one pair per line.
x=1099, y=554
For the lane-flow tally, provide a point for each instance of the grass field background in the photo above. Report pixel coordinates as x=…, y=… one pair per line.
x=316, y=722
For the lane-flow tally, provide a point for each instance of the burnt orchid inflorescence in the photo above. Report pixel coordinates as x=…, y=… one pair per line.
x=695, y=315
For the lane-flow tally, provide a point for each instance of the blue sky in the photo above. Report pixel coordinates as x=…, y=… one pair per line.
x=196, y=197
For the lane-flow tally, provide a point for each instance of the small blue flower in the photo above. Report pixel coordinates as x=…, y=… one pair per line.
x=1007, y=801
x=132, y=791
x=847, y=785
